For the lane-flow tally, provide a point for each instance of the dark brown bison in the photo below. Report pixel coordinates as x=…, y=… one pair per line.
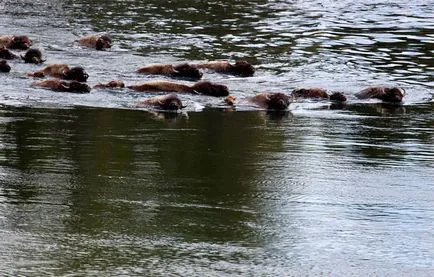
x=164, y=102
x=386, y=94
x=311, y=93
x=271, y=100
x=15, y=42
x=240, y=68
x=318, y=94
x=204, y=87
x=183, y=70
x=62, y=71
x=111, y=84
x=63, y=86
x=156, y=86
x=7, y=54
x=99, y=42
x=268, y=100
x=4, y=66
x=33, y=55
x=211, y=89
x=338, y=97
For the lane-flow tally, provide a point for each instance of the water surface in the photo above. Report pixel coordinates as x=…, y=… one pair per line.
x=90, y=185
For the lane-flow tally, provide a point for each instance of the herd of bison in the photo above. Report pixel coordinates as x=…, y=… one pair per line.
x=63, y=78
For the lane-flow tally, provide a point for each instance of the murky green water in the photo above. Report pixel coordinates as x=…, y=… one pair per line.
x=92, y=186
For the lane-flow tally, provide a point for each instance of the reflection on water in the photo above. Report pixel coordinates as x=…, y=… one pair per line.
x=91, y=186
x=105, y=191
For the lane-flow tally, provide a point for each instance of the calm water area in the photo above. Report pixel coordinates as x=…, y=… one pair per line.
x=91, y=185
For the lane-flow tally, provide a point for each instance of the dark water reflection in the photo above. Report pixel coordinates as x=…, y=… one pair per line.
x=112, y=192
x=92, y=186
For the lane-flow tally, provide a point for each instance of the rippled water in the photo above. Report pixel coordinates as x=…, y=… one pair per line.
x=92, y=186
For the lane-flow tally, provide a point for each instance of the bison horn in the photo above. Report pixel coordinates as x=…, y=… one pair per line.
x=174, y=70
x=65, y=86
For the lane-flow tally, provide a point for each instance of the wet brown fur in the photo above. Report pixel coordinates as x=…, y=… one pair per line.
x=61, y=71
x=7, y=54
x=180, y=70
x=63, y=86
x=111, y=84
x=33, y=55
x=230, y=100
x=211, y=89
x=99, y=42
x=153, y=86
x=76, y=73
x=4, y=66
x=241, y=67
x=272, y=100
x=164, y=69
x=315, y=93
x=204, y=87
x=165, y=102
x=386, y=94
x=337, y=97
x=15, y=42
x=53, y=70
x=318, y=94
x=5, y=41
x=186, y=70
x=218, y=66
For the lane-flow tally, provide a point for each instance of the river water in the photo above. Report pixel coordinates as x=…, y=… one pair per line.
x=91, y=185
